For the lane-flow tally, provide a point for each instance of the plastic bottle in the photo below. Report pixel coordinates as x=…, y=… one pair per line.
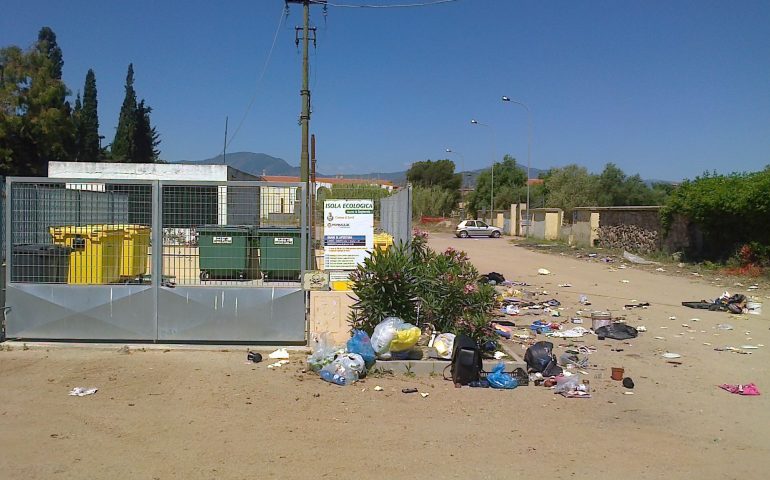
x=332, y=377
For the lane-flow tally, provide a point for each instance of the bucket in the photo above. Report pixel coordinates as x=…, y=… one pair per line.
x=754, y=308
x=617, y=373
x=600, y=319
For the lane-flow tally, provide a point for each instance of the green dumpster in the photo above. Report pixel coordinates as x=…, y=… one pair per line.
x=228, y=252
x=280, y=251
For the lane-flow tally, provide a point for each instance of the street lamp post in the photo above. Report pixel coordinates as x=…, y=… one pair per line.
x=462, y=180
x=462, y=166
x=494, y=161
x=529, y=151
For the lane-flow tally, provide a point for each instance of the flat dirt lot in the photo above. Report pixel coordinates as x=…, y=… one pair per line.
x=193, y=414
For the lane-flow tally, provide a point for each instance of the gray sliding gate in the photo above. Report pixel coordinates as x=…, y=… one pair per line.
x=82, y=258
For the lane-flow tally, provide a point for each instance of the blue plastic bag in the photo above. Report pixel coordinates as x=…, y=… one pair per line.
x=361, y=344
x=499, y=379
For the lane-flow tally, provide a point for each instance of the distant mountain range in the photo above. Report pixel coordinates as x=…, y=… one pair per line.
x=264, y=164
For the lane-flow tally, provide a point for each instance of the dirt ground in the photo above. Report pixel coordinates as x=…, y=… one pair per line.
x=186, y=413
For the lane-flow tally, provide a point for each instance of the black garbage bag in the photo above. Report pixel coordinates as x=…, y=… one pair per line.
x=540, y=358
x=617, y=331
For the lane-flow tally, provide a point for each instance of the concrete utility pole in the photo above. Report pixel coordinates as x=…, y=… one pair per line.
x=304, y=160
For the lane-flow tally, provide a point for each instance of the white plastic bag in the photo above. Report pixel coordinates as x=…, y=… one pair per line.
x=323, y=352
x=384, y=333
x=444, y=345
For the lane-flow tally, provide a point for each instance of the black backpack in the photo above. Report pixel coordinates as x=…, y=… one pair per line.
x=466, y=360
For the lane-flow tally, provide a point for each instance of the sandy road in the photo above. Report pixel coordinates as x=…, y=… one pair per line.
x=207, y=414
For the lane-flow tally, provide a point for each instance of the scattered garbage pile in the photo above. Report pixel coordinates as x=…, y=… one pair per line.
x=736, y=304
x=529, y=318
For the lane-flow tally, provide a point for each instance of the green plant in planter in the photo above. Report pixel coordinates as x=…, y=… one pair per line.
x=386, y=285
x=452, y=300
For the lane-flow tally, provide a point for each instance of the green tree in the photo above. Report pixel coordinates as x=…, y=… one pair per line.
x=615, y=189
x=440, y=173
x=77, y=122
x=146, y=138
x=89, y=122
x=569, y=187
x=48, y=47
x=432, y=202
x=510, y=182
x=729, y=210
x=123, y=148
x=136, y=140
x=36, y=124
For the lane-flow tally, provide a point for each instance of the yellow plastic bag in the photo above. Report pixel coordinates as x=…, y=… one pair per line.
x=406, y=337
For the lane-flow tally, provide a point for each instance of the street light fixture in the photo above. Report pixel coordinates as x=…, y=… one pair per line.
x=494, y=161
x=529, y=151
x=462, y=166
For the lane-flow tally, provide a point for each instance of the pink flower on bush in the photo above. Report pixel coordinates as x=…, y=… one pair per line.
x=471, y=288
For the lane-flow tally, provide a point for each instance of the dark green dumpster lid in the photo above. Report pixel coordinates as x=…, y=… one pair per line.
x=243, y=229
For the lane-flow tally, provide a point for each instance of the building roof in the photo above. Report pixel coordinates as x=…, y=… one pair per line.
x=331, y=180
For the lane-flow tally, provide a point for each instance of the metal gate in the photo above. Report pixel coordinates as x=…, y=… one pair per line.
x=82, y=259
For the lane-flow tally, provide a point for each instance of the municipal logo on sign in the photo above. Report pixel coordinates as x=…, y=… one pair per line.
x=221, y=240
x=283, y=241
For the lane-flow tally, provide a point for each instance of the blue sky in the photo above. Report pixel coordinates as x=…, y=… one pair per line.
x=667, y=89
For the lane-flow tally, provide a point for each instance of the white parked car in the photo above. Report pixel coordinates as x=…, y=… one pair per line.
x=476, y=228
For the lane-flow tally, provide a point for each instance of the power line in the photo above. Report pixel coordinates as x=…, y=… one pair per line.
x=402, y=5
x=259, y=80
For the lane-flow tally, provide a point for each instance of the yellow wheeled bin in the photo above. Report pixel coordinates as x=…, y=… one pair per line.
x=383, y=241
x=136, y=244
x=96, y=252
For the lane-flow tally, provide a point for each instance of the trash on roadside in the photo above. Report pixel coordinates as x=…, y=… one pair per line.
x=637, y=259
x=575, y=332
x=444, y=343
x=636, y=305
x=583, y=300
x=324, y=352
x=571, y=387
x=724, y=303
x=424, y=394
x=641, y=328
x=408, y=390
x=565, y=285
x=540, y=359
x=617, y=373
x=498, y=355
x=498, y=378
x=253, y=357
x=748, y=390
x=568, y=360
x=280, y=354
x=344, y=370
x=671, y=355
x=360, y=343
x=600, y=319
x=617, y=331
x=279, y=363
x=83, y=391
x=628, y=383
x=724, y=326
x=378, y=388
x=543, y=271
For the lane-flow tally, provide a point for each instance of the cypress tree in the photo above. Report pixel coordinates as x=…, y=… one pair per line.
x=123, y=145
x=89, y=148
x=77, y=122
x=145, y=136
